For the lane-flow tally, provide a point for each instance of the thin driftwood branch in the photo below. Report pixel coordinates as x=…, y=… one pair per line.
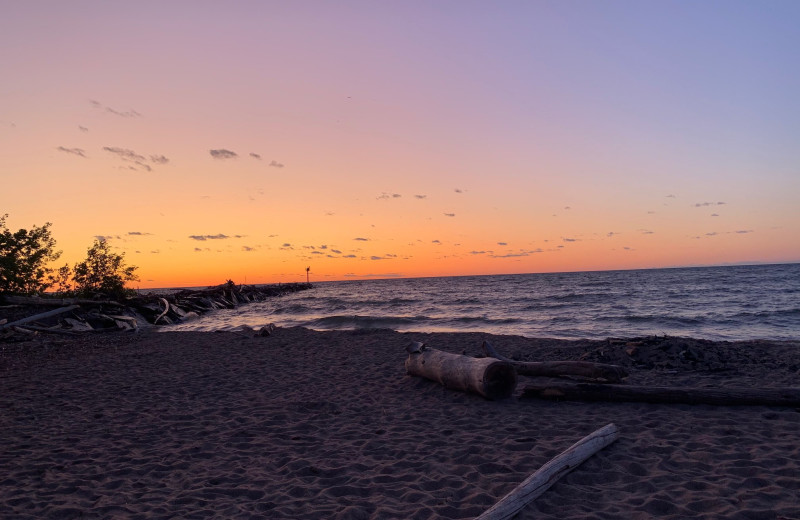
x=583, y=369
x=665, y=395
x=533, y=486
x=40, y=316
x=166, y=310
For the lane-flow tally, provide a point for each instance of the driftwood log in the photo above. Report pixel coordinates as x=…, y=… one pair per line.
x=532, y=487
x=665, y=395
x=582, y=369
x=55, y=302
x=491, y=378
x=40, y=316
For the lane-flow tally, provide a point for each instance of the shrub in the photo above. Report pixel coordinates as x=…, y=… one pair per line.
x=24, y=256
x=103, y=271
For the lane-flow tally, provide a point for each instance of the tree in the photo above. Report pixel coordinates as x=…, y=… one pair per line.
x=60, y=281
x=24, y=256
x=103, y=271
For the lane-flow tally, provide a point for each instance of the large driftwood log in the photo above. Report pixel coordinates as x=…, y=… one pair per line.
x=668, y=395
x=56, y=302
x=533, y=486
x=583, y=369
x=40, y=316
x=491, y=378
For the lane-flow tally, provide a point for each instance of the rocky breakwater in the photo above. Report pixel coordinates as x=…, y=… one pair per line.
x=24, y=315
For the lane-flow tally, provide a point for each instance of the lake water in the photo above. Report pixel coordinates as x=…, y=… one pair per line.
x=718, y=303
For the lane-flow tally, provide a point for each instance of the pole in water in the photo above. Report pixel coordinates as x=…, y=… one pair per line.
x=307, y=270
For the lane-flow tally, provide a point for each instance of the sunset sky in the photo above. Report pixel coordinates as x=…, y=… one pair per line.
x=251, y=139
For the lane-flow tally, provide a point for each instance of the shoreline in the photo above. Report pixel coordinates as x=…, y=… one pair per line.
x=327, y=424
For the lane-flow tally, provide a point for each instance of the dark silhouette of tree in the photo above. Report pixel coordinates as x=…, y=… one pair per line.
x=24, y=256
x=103, y=271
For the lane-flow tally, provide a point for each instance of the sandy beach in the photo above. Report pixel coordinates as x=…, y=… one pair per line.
x=305, y=424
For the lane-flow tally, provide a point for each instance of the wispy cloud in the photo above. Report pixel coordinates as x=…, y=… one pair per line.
x=458, y=190
x=361, y=239
x=138, y=159
x=386, y=196
x=222, y=153
x=159, y=159
x=717, y=233
x=502, y=243
x=109, y=110
x=705, y=204
x=420, y=196
x=83, y=129
x=255, y=156
x=124, y=153
x=449, y=214
x=218, y=236
x=123, y=113
x=248, y=248
x=138, y=233
x=276, y=164
x=74, y=151
x=570, y=239
x=520, y=253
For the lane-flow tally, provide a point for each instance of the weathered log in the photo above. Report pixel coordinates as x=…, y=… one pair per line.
x=665, y=395
x=583, y=369
x=533, y=486
x=56, y=302
x=46, y=330
x=40, y=316
x=491, y=378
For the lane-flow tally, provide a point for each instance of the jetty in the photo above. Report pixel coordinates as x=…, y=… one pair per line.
x=35, y=314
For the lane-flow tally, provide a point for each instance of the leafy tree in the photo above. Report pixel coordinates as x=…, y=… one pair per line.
x=103, y=271
x=24, y=256
x=60, y=281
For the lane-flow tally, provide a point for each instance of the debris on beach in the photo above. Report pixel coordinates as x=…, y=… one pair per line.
x=22, y=316
x=489, y=377
x=597, y=381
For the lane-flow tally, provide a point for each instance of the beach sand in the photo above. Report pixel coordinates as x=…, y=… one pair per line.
x=306, y=424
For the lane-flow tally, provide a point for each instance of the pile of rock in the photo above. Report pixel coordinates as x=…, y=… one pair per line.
x=29, y=315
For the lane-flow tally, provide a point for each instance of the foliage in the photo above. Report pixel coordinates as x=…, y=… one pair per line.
x=24, y=256
x=60, y=281
x=103, y=271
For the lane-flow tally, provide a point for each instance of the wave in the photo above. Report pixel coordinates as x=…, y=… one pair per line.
x=716, y=303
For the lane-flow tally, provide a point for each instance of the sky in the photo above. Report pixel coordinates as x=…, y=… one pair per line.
x=248, y=140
